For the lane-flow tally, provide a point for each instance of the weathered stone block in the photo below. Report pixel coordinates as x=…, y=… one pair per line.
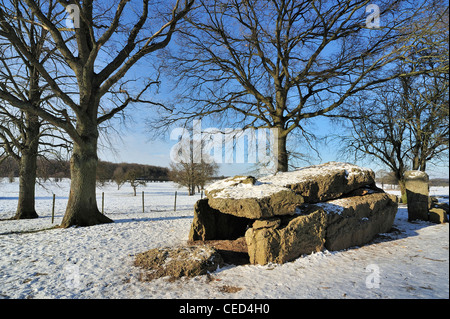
x=438, y=215
x=282, y=202
x=280, y=194
x=417, y=192
x=323, y=182
x=354, y=221
x=287, y=238
x=443, y=206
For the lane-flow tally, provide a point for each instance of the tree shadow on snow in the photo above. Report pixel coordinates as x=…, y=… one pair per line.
x=36, y=198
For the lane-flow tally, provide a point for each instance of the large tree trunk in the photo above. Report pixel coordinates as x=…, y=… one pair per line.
x=27, y=182
x=282, y=155
x=82, y=205
x=27, y=170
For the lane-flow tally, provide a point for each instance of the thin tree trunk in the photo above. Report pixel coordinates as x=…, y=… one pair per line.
x=423, y=166
x=415, y=161
x=402, y=185
x=82, y=207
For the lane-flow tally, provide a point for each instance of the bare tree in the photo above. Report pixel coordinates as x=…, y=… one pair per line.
x=22, y=133
x=401, y=125
x=133, y=176
x=24, y=149
x=90, y=51
x=427, y=120
x=24, y=137
x=192, y=175
x=193, y=167
x=404, y=123
x=376, y=130
x=183, y=175
x=119, y=176
x=275, y=64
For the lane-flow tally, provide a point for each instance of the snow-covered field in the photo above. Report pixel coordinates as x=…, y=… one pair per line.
x=96, y=262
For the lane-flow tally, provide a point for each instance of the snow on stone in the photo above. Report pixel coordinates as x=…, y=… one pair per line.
x=332, y=207
x=227, y=182
x=259, y=190
x=266, y=186
x=416, y=173
x=307, y=173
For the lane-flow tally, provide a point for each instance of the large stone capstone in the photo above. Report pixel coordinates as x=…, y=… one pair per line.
x=323, y=182
x=280, y=194
x=283, y=216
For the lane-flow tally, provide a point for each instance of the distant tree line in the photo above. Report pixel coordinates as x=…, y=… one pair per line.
x=55, y=168
x=105, y=171
x=384, y=177
x=439, y=182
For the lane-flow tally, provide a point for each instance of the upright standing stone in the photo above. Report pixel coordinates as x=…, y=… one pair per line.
x=417, y=191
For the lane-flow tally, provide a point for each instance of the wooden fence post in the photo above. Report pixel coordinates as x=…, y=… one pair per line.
x=143, y=210
x=103, y=202
x=175, y=203
x=53, y=209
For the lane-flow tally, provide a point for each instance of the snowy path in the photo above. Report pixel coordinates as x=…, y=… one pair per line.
x=96, y=262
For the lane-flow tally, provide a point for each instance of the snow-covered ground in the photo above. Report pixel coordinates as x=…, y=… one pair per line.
x=96, y=262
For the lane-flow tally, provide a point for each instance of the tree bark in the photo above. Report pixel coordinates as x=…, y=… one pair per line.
x=402, y=185
x=282, y=155
x=82, y=207
x=27, y=170
x=416, y=159
x=27, y=182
